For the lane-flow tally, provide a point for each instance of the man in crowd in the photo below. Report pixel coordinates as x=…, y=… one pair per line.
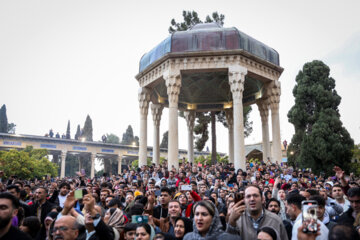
x=248, y=216
x=161, y=211
x=66, y=228
x=8, y=210
x=322, y=213
x=338, y=194
x=348, y=217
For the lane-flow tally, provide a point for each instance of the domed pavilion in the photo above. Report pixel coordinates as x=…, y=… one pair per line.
x=209, y=68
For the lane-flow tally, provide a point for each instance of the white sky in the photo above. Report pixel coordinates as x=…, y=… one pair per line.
x=62, y=60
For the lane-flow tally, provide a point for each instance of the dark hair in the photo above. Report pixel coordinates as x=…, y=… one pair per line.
x=206, y=204
x=145, y=226
x=45, y=189
x=320, y=200
x=343, y=232
x=353, y=192
x=64, y=184
x=166, y=189
x=312, y=192
x=130, y=227
x=17, y=189
x=269, y=231
x=115, y=201
x=272, y=200
x=12, y=198
x=187, y=224
x=255, y=186
x=175, y=200
x=137, y=209
x=295, y=199
x=33, y=225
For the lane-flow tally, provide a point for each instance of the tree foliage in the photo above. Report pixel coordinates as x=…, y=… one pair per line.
x=87, y=131
x=27, y=164
x=68, y=136
x=164, y=141
x=78, y=132
x=128, y=137
x=112, y=138
x=320, y=140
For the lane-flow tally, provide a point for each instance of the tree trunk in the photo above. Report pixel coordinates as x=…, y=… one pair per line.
x=213, y=138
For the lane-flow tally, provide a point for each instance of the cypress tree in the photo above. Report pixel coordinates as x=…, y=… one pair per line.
x=68, y=136
x=3, y=120
x=78, y=132
x=88, y=129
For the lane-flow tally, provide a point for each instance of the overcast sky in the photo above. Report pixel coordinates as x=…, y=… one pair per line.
x=62, y=60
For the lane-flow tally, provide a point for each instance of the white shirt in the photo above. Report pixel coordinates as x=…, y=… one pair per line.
x=324, y=231
x=62, y=200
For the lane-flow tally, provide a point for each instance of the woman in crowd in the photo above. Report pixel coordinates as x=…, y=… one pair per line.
x=182, y=227
x=266, y=233
x=207, y=223
x=31, y=225
x=144, y=232
x=114, y=217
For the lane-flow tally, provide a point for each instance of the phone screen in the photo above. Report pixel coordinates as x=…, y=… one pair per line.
x=78, y=194
x=309, y=216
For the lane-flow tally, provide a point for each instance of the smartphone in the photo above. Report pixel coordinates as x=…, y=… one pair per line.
x=139, y=219
x=238, y=197
x=186, y=188
x=309, y=216
x=82, y=172
x=157, y=193
x=78, y=194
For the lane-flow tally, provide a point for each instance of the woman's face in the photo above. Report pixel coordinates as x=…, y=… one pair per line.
x=203, y=219
x=179, y=229
x=189, y=197
x=182, y=199
x=264, y=236
x=24, y=228
x=141, y=234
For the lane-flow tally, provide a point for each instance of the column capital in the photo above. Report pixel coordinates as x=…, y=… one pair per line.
x=236, y=80
x=173, y=84
x=190, y=119
x=274, y=92
x=144, y=99
x=263, y=107
x=229, y=118
x=63, y=154
x=156, y=110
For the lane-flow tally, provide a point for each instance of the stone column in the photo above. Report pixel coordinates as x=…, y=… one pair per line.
x=92, y=159
x=173, y=84
x=144, y=98
x=80, y=163
x=230, y=122
x=190, y=121
x=275, y=120
x=119, y=163
x=236, y=81
x=63, y=159
x=156, y=110
x=264, y=113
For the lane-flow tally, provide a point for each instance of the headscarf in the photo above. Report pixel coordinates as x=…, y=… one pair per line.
x=187, y=224
x=117, y=220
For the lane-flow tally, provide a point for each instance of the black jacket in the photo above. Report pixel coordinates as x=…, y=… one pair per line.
x=45, y=209
x=346, y=218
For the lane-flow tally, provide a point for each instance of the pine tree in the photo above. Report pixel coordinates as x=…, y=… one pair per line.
x=3, y=120
x=68, y=136
x=128, y=136
x=87, y=132
x=320, y=140
x=78, y=132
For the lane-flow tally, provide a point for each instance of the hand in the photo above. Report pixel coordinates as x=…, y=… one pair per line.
x=340, y=174
x=89, y=203
x=69, y=203
x=307, y=236
x=236, y=212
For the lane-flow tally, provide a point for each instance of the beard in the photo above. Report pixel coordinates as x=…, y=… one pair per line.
x=4, y=221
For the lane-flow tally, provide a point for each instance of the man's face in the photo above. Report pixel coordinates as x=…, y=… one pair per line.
x=171, y=175
x=202, y=189
x=64, y=191
x=323, y=194
x=64, y=229
x=27, y=190
x=7, y=212
x=164, y=198
x=222, y=193
x=274, y=207
x=174, y=209
x=253, y=199
x=14, y=193
x=320, y=211
x=103, y=195
x=129, y=198
x=355, y=203
x=130, y=235
x=40, y=194
x=290, y=211
x=337, y=193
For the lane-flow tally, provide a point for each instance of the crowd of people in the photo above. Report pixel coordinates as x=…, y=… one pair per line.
x=263, y=201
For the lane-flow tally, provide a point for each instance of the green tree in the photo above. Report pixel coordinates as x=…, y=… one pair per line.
x=191, y=18
x=28, y=163
x=112, y=138
x=78, y=132
x=128, y=137
x=87, y=131
x=320, y=140
x=68, y=136
x=3, y=120
x=11, y=128
x=164, y=141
